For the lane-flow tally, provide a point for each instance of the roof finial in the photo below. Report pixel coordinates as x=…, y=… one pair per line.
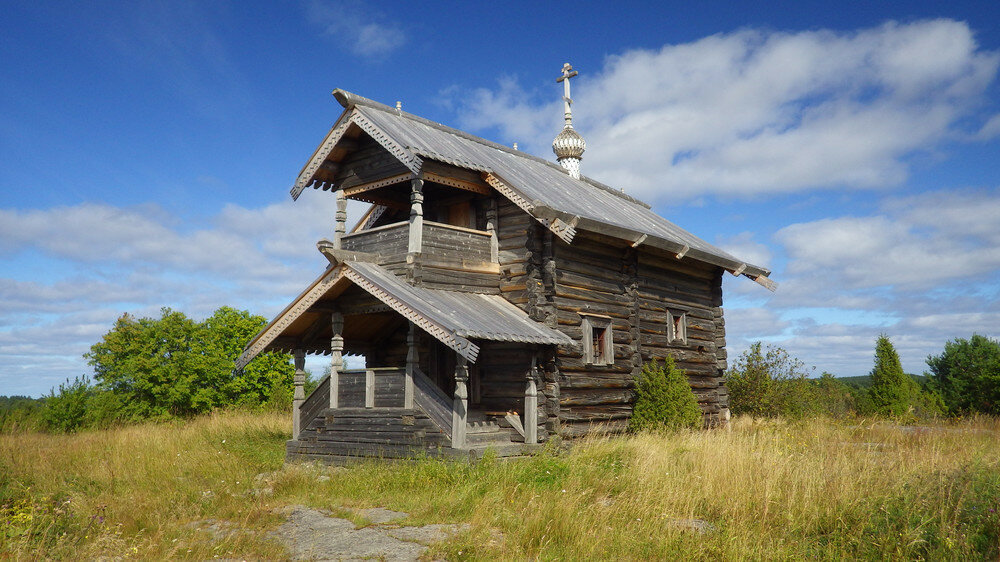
x=568, y=145
x=567, y=73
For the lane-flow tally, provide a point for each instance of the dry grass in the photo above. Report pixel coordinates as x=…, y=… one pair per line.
x=773, y=490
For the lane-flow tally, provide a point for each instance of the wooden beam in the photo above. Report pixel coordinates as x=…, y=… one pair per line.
x=482, y=189
x=373, y=185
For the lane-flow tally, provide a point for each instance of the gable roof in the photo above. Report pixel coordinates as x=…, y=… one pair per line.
x=451, y=317
x=542, y=188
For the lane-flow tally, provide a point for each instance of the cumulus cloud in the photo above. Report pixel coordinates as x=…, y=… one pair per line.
x=109, y=260
x=358, y=27
x=754, y=112
x=918, y=242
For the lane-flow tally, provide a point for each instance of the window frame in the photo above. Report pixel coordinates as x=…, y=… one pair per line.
x=592, y=324
x=677, y=326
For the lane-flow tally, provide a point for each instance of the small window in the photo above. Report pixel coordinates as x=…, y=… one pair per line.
x=598, y=347
x=677, y=327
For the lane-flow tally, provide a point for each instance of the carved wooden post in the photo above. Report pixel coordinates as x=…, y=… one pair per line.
x=336, y=357
x=416, y=216
x=412, y=362
x=491, y=227
x=298, y=396
x=459, y=411
x=531, y=405
x=340, y=228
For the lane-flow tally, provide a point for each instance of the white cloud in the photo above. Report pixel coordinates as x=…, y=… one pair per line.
x=357, y=27
x=109, y=260
x=919, y=242
x=753, y=112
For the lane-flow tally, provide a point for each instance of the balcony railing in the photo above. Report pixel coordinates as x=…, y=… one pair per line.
x=439, y=241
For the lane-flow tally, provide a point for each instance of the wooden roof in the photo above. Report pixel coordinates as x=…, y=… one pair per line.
x=453, y=318
x=542, y=188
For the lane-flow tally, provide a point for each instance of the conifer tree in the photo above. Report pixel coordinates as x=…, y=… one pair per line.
x=893, y=392
x=664, y=399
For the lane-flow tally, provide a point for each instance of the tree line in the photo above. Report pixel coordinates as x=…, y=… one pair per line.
x=159, y=369
x=964, y=379
x=174, y=367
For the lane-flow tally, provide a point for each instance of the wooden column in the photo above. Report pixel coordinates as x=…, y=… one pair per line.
x=531, y=405
x=491, y=227
x=341, y=226
x=369, y=388
x=460, y=407
x=416, y=216
x=336, y=357
x=298, y=396
x=412, y=362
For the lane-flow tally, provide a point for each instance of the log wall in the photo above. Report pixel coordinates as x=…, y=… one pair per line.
x=636, y=290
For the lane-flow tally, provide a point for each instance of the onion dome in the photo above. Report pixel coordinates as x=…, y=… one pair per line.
x=569, y=144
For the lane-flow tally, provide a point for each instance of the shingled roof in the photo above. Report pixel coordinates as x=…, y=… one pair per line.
x=542, y=188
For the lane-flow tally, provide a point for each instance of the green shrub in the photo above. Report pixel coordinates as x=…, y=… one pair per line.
x=768, y=382
x=663, y=399
x=895, y=394
x=66, y=410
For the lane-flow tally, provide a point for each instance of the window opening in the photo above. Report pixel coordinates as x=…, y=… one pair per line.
x=677, y=327
x=598, y=345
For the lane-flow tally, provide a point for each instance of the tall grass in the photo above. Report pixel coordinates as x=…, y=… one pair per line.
x=772, y=490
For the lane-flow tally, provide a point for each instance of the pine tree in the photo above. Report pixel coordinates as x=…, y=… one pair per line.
x=893, y=392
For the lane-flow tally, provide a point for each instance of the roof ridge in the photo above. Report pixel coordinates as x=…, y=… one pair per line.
x=348, y=99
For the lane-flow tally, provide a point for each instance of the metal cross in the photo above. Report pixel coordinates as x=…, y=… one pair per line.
x=567, y=73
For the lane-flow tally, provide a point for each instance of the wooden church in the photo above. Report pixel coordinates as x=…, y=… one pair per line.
x=498, y=299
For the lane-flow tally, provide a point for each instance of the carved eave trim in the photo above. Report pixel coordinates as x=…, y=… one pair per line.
x=461, y=345
x=565, y=230
x=322, y=152
x=408, y=158
x=354, y=116
x=373, y=185
x=455, y=182
x=290, y=314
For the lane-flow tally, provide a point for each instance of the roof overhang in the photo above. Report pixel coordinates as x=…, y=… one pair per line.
x=453, y=318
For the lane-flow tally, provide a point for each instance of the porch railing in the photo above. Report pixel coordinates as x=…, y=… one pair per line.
x=358, y=388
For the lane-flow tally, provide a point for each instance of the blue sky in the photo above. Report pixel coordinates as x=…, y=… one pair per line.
x=147, y=149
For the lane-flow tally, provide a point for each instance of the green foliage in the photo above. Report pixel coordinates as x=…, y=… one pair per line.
x=20, y=413
x=664, y=399
x=65, y=411
x=893, y=393
x=171, y=366
x=767, y=382
x=967, y=373
x=832, y=397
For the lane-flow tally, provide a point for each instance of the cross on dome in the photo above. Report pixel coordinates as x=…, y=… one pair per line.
x=568, y=145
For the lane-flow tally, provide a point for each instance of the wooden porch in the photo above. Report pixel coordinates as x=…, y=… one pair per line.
x=401, y=413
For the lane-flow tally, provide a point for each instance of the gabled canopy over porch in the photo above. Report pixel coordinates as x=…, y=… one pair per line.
x=363, y=308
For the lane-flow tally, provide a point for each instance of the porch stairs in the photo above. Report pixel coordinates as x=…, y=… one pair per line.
x=382, y=428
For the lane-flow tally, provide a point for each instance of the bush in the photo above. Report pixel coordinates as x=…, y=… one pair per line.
x=770, y=383
x=66, y=410
x=663, y=399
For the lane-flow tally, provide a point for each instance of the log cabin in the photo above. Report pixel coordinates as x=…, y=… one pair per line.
x=498, y=299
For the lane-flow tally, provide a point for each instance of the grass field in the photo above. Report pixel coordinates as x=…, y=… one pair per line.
x=772, y=490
